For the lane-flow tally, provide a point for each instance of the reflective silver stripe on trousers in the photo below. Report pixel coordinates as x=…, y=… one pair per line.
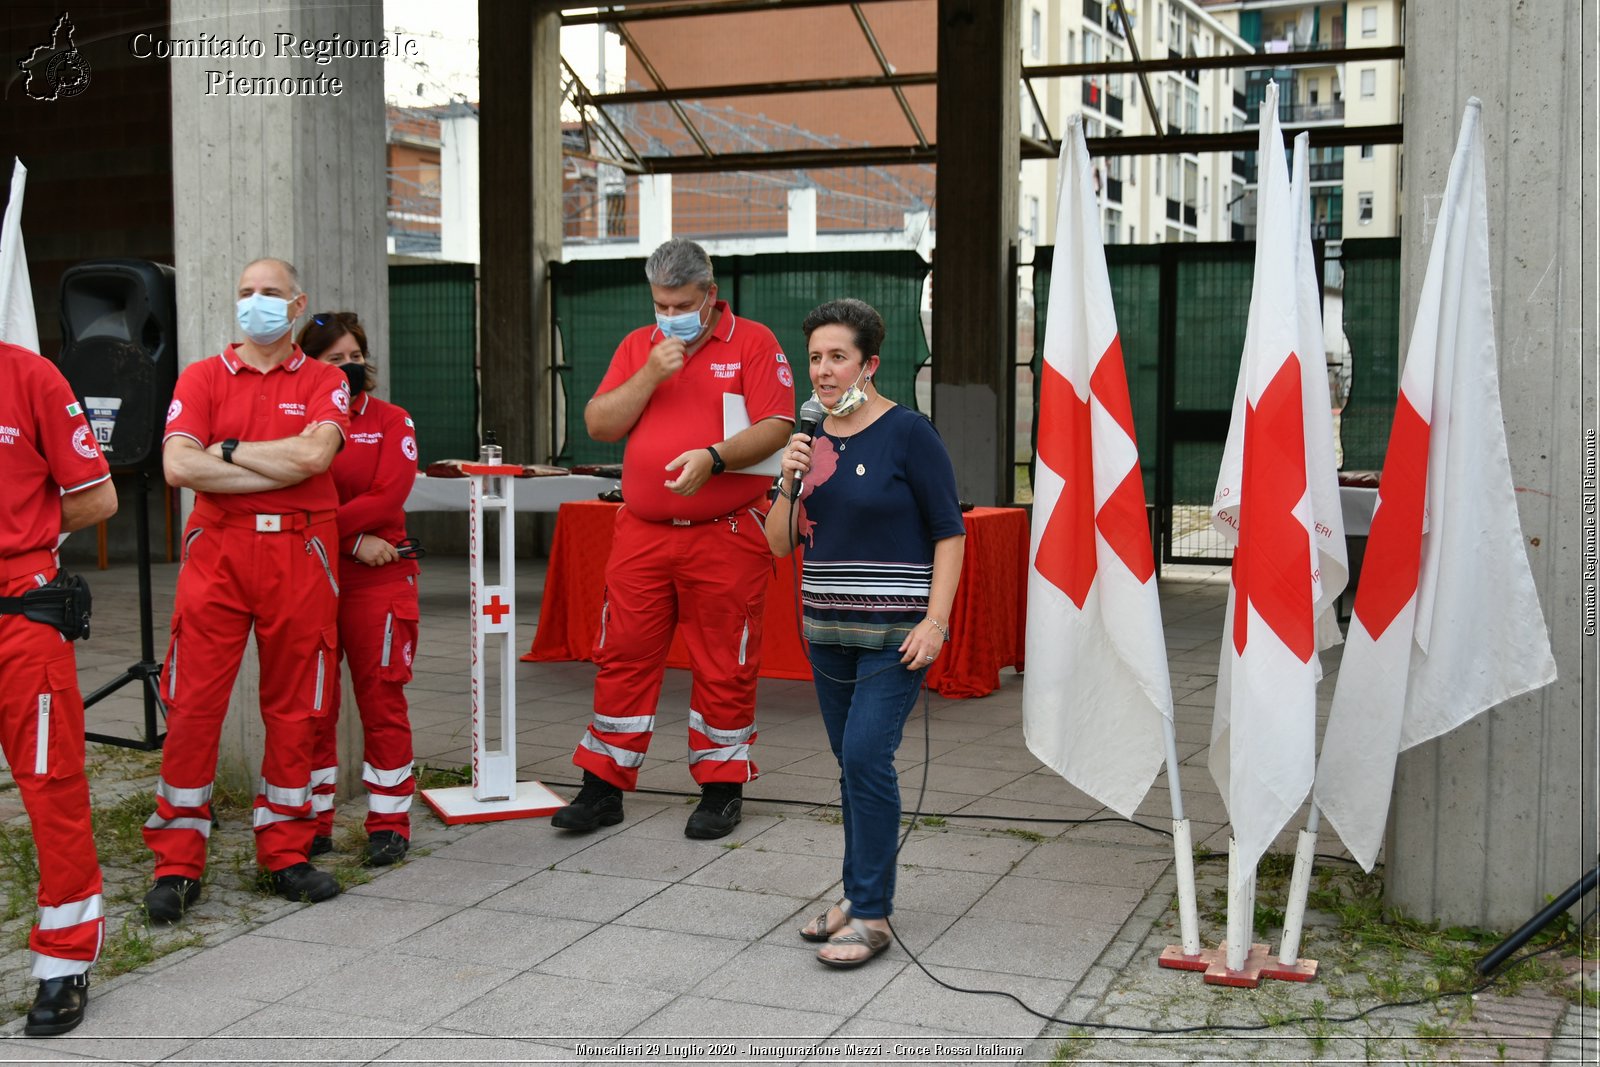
x=47, y=967
x=79, y=911
x=387, y=779
x=726, y=754
x=721, y=737
x=201, y=826
x=41, y=741
x=266, y=816
x=622, y=757
x=383, y=804
x=285, y=796
x=637, y=724
x=324, y=776
x=194, y=797
x=321, y=802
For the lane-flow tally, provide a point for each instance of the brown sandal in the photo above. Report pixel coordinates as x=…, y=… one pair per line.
x=874, y=941
x=818, y=930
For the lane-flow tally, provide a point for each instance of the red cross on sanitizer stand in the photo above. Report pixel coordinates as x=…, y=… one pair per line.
x=495, y=792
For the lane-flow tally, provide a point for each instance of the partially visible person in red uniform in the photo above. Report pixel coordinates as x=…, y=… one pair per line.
x=377, y=597
x=55, y=481
x=688, y=552
x=253, y=431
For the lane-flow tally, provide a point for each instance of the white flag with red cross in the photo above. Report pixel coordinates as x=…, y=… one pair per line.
x=1096, y=692
x=1277, y=502
x=1447, y=621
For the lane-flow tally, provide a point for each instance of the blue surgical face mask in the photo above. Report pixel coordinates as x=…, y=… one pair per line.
x=264, y=319
x=685, y=327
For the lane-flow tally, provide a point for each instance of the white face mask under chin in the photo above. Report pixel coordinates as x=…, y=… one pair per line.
x=852, y=399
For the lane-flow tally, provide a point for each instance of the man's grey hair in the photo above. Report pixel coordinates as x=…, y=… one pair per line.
x=287, y=267
x=679, y=262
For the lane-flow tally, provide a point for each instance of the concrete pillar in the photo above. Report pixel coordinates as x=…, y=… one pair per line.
x=974, y=270
x=1496, y=815
x=519, y=62
x=655, y=211
x=458, y=188
x=802, y=220
x=299, y=177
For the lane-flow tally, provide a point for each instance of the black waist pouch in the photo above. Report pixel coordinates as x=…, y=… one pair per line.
x=63, y=603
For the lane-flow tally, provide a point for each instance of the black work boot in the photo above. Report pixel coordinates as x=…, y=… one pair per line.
x=58, y=1006
x=304, y=882
x=598, y=803
x=384, y=847
x=170, y=897
x=718, y=813
x=321, y=845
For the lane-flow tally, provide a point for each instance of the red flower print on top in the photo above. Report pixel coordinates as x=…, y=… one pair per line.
x=824, y=461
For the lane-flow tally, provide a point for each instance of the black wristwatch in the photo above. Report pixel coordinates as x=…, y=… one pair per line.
x=717, y=466
x=227, y=449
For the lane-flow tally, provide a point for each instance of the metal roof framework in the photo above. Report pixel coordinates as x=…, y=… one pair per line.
x=608, y=144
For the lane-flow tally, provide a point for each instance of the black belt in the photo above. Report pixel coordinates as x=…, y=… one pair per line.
x=63, y=603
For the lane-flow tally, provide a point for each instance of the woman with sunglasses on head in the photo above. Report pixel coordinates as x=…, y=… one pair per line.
x=377, y=596
x=873, y=494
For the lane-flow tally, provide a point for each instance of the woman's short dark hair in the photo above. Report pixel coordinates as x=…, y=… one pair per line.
x=326, y=327
x=860, y=317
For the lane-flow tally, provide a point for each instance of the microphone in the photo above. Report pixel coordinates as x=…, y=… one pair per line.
x=811, y=415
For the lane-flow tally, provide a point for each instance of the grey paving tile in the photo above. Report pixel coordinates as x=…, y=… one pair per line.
x=939, y=891
x=1054, y=951
x=914, y=999
x=255, y=966
x=459, y=1049
x=1047, y=902
x=978, y=781
x=960, y=851
x=151, y=1019
x=437, y=880
x=788, y=975
x=990, y=756
x=634, y=856
x=495, y=938
x=283, y=1034
x=533, y=843
x=1097, y=864
x=656, y=959
x=703, y=1017
x=801, y=836
x=539, y=1005
x=800, y=787
x=417, y=990
x=594, y=898
x=357, y=922
x=769, y=872
x=694, y=909
x=668, y=824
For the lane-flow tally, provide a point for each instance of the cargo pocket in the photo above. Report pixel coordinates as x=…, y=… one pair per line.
x=324, y=671
x=399, y=641
x=57, y=749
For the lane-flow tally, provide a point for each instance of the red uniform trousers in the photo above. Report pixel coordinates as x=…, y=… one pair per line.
x=378, y=640
x=282, y=584
x=709, y=580
x=41, y=732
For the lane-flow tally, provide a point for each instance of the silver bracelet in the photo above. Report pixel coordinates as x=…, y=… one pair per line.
x=944, y=631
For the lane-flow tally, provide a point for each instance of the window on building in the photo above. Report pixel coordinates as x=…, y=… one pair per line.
x=1367, y=152
x=1313, y=90
x=1369, y=22
x=1191, y=110
x=1033, y=217
x=1091, y=47
x=1369, y=83
x=1113, y=223
x=1158, y=22
x=1036, y=33
x=1364, y=208
x=1114, y=54
x=1174, y=28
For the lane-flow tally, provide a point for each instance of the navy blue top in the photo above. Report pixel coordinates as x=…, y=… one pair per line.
x=872, y=507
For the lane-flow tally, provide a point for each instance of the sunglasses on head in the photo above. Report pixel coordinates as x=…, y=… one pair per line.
x=342, y=318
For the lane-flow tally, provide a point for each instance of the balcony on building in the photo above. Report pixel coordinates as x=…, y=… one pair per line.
x=1092, y=93
x=1328, y=172
x=1244, y=166
x=1189, y=216
x=1174, y=210
x=1298, y=114
x=1114, y=190
x=1113, y=106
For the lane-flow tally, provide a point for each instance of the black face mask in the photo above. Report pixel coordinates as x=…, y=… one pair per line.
x=357, y=373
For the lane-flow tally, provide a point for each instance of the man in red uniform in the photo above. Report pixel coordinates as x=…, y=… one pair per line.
x=55, y=480
x=688, y=550
x=252, y=431
x=378, y=609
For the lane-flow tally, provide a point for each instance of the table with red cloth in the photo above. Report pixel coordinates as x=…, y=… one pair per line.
x=986, y=621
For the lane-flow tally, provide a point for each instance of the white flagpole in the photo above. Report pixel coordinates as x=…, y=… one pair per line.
x=1241, y=909
x=1305, y=853
x=1183, y=851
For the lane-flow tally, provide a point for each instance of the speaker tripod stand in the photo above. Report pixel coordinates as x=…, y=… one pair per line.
x=147, y=672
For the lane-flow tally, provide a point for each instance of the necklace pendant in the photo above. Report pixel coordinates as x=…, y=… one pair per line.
x=861, y=469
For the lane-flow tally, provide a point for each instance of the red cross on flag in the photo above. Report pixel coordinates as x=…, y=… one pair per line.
x=1447, y=621
x=1096, y=692
x=1277, y=501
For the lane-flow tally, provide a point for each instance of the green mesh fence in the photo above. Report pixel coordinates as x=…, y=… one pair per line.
x=596, y=302
x=1372, y=326
x=432, y=347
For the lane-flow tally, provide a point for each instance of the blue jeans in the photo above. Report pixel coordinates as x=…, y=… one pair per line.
x=864, y=721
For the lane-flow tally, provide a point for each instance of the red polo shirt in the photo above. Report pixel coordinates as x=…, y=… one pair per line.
x=685, y=413
x=374, y=474
x=225, y=397
x=46, y=449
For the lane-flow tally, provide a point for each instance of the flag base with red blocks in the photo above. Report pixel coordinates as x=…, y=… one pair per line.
x=457, y=804
x=1258, y=964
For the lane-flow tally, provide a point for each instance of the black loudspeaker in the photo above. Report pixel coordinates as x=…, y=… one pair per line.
x=119, y=352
